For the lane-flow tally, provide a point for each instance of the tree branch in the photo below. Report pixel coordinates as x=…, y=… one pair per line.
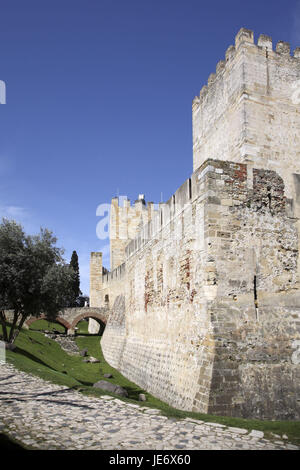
x=24, y=316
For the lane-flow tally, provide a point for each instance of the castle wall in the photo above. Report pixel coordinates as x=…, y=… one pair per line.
x=255, y=314
x=207, y=318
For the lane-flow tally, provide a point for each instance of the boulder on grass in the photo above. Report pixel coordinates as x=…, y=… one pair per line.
x=121, y=391
x=142, y=397
x=112, y=388
x=107, y=376
x=93, y=359
x=83, y=353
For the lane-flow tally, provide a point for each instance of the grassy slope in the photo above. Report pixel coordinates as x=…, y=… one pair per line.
x=42, y=325
x=44, y=357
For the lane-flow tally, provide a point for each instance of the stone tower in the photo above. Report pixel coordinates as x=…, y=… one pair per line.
x=125, y=223
x=95, y=278
x=249, y=110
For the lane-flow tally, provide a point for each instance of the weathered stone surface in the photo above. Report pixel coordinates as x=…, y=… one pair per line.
x=142, y=397
x=94, y=326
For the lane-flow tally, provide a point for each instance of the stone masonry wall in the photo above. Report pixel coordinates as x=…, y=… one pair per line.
x=209, y=317
x=255, y=315
x=112, y=285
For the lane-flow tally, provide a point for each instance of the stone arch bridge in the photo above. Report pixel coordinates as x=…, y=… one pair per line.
x=69, y=317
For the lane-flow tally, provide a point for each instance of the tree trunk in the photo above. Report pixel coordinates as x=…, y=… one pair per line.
x=13, y=326
x=3, y=323
x=14, y=337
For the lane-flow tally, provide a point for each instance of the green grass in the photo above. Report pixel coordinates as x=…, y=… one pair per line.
x=42, y=325
x=83, y=327
x=43, y=357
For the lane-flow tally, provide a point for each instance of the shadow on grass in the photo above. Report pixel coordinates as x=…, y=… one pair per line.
x=87, y=384
x=31, y=357
x=133, y=393
x=87, y=334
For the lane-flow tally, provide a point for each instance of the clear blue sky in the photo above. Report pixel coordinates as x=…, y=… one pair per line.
x=99, y=96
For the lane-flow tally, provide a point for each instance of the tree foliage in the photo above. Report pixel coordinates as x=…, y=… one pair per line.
x=34, y=278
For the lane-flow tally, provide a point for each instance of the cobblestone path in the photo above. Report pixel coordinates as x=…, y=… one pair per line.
x=42, y=415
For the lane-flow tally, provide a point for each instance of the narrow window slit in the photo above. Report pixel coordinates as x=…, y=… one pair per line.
x=255, y=296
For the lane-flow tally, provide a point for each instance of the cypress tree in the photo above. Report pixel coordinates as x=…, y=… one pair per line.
x=76, y=285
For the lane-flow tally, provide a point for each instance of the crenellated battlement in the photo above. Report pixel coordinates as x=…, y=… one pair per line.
x=123, y=202
x=115, y=275
x=246, y=37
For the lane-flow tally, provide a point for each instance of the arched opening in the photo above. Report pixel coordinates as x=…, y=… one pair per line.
x=96, y=326
x=57, y=326
x=89, y=324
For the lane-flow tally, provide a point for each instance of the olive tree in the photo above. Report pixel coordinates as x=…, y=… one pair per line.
x=34, y=278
